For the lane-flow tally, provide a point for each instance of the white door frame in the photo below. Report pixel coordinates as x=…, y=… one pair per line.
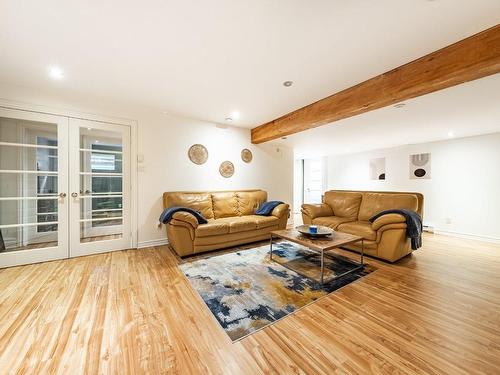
x=77, y=248
x=18, y=257
x=71, y=114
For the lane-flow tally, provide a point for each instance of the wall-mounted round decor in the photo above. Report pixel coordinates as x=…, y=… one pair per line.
x=246, y=155
x=198, y=154
x=226, y=169
x=420, y=172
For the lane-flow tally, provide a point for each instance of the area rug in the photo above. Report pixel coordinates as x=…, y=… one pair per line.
x=246, y=291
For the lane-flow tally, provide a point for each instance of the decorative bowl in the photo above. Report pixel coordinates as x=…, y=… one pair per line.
x=322, y=231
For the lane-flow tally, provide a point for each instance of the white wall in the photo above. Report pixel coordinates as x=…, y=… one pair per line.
x=463, y=195
x=163, y=140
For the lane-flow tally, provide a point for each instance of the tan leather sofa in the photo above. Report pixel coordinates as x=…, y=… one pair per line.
x=350, y=211
x=231, y=220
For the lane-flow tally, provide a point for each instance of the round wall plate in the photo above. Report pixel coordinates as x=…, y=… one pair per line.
x=226, y=169
x=246, y=155
x=198, y=154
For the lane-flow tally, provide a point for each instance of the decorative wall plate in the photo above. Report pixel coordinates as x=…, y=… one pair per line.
x=198, y=154
x=226, y=169
x=420, y=166
x=246, y=155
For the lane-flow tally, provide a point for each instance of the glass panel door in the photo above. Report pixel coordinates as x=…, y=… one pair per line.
x=33, y=187
x=314, y=180
x=100, y=181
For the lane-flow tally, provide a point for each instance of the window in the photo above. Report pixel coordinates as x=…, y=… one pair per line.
x=102, y=162
x=106, y=162
x=46, y=160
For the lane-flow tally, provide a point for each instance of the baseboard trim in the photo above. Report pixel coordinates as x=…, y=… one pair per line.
x=467, y=236
x=150, y=243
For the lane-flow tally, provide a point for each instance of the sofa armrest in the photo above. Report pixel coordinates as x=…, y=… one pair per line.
x=186, y=217
x=386, y=220
x=317, y=210
x=281, y=210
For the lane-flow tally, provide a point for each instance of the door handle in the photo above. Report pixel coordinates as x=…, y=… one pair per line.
x=62, y=195
x=74, y=195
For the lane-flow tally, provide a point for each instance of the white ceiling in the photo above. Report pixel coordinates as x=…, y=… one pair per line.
x=469, y=109
x=205, y=59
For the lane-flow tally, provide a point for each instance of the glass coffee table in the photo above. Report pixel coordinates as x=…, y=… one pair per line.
x=321, y=245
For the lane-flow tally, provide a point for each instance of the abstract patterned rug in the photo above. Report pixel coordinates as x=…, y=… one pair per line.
x=247, y=291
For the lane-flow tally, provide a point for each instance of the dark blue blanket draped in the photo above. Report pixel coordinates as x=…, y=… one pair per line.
x=266, y=208
x=414, y=226
x=167, y=214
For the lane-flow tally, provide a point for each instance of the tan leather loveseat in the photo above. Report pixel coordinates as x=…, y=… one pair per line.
x=231, y=220
x=350, y=211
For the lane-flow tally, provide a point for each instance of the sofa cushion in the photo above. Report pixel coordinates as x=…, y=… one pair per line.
x=225, y=204
x=212, y=228
x=233, y=224
x=239, y=223
x=373, y=203
x=343, y=204
x=359, y=228
x=330, y=221
x=264, y=221
x=249, y=201
x=197, y=201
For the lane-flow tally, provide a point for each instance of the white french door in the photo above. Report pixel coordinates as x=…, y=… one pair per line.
x=100, y=187
x=33, y=185
x=314, y=178
x=65, y=187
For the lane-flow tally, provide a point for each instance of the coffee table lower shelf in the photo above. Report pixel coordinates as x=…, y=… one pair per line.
x=307, y=243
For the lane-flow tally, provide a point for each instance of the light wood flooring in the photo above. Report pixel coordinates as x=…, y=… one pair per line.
x=42, y=245
x=133, y=312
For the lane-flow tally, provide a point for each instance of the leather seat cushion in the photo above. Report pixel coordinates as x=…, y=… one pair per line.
x=331, y=221
x=263, y=221
x=234, y=224
x=343, y=204
x=212, y=228
x=239, y=223
x=359, y=228
x=373, y=203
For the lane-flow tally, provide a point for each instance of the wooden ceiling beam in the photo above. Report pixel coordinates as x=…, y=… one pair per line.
x=469, y=59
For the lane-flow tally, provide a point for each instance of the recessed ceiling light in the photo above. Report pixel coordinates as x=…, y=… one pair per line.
x=229, y=119
x=235, y=115
x=287, y=83
x=451, y=134
x=56, y=73
x=399, y=105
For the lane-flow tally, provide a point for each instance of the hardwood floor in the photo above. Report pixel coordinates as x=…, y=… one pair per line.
x=133, y=312
x=41, y=245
